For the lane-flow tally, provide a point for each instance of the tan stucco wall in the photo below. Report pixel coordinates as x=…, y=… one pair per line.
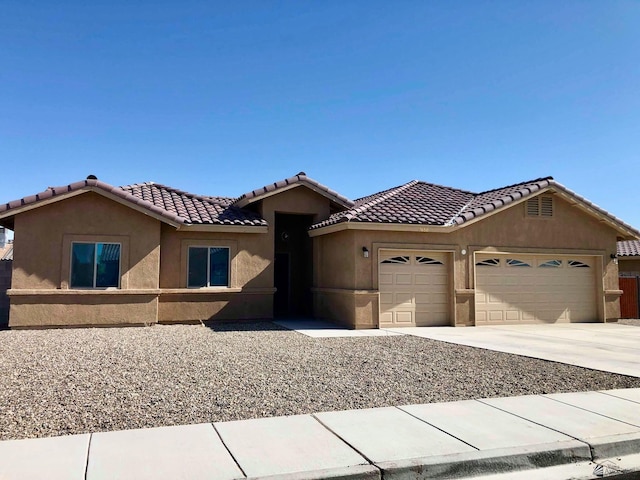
x=186, y=307
x=571, y=230
x=251, y=279
x=42, y=248
x=85, y=310
x=629, y=264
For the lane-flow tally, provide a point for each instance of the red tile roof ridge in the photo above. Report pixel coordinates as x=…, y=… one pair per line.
x=540, y=179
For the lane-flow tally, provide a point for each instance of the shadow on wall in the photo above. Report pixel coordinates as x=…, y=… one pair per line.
x=5, y=284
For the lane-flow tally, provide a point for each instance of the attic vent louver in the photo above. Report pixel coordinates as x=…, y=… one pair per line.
x=541, y=206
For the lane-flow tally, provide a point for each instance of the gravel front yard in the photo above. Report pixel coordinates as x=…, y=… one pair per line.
x=57, y=382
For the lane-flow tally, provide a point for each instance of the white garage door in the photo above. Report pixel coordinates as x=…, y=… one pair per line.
x=514, y=289
x=414, y=288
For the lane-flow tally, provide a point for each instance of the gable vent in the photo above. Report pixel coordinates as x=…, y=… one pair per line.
x=546, y=206
x=533, y=207
x=540, y=206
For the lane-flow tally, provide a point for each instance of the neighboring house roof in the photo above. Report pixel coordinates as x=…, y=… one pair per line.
x=629, y=248
x=6, y=252
x=297, y=180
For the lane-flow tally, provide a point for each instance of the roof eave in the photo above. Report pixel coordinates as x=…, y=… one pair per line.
x=627, y=232
x=379, y=226
x=231, y=228
x=12, y=212
x=243, y=202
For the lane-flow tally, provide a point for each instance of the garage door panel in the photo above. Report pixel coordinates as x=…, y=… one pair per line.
x=534, y=294
x=403, y=279
x=414, y=291
x=404, y=317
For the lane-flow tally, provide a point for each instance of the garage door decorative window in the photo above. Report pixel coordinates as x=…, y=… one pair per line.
x=517, y=263
x=489, y=262
x=428, y=261
x=578, y=264
x=551, y=264
x=396, y=260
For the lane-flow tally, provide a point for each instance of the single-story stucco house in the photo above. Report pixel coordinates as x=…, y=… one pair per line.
x=90, y=253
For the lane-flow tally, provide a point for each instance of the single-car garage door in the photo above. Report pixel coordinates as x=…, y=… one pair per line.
x=414, y=288
x=515, y=289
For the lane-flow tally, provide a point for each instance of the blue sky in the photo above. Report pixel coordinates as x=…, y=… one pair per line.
x=220, y=98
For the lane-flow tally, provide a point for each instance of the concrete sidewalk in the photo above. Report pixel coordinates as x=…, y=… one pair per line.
x=558, y=436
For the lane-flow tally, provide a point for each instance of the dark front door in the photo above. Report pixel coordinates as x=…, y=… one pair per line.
x=281, y=281
x=292, y=275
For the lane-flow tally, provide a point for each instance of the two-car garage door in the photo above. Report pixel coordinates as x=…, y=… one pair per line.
x=521, y=288
x=415, y=288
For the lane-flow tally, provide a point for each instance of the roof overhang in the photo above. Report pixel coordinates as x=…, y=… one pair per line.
x=626, y=232
x=223, y=228
x=243, y=202
x=12, y=212
x=386, y=227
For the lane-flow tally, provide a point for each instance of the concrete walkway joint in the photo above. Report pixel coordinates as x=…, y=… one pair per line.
x=566, y=435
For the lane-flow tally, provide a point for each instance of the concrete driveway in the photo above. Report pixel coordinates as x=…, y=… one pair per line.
x=607, y=347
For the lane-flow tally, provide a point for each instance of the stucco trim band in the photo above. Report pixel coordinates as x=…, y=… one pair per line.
x=214, y=291
x=90, y=292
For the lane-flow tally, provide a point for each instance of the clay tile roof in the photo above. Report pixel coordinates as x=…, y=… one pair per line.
x=176, y=206
x=490, y=200
x=194, y=209
x=415, y=202
x=428, y=204
x=302, y=179
x=629, y=248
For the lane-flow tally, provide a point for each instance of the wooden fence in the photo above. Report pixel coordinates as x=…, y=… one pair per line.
x=629, y=305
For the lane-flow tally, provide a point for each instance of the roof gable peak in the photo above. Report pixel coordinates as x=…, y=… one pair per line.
x=297, y=180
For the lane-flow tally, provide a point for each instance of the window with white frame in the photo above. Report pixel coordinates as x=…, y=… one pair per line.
x=208, y=267
x=95, y=265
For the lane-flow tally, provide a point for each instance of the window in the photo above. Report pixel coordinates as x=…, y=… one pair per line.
x=208, y=267
x=95, y=265
x=541, y=206
x=489, y=262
